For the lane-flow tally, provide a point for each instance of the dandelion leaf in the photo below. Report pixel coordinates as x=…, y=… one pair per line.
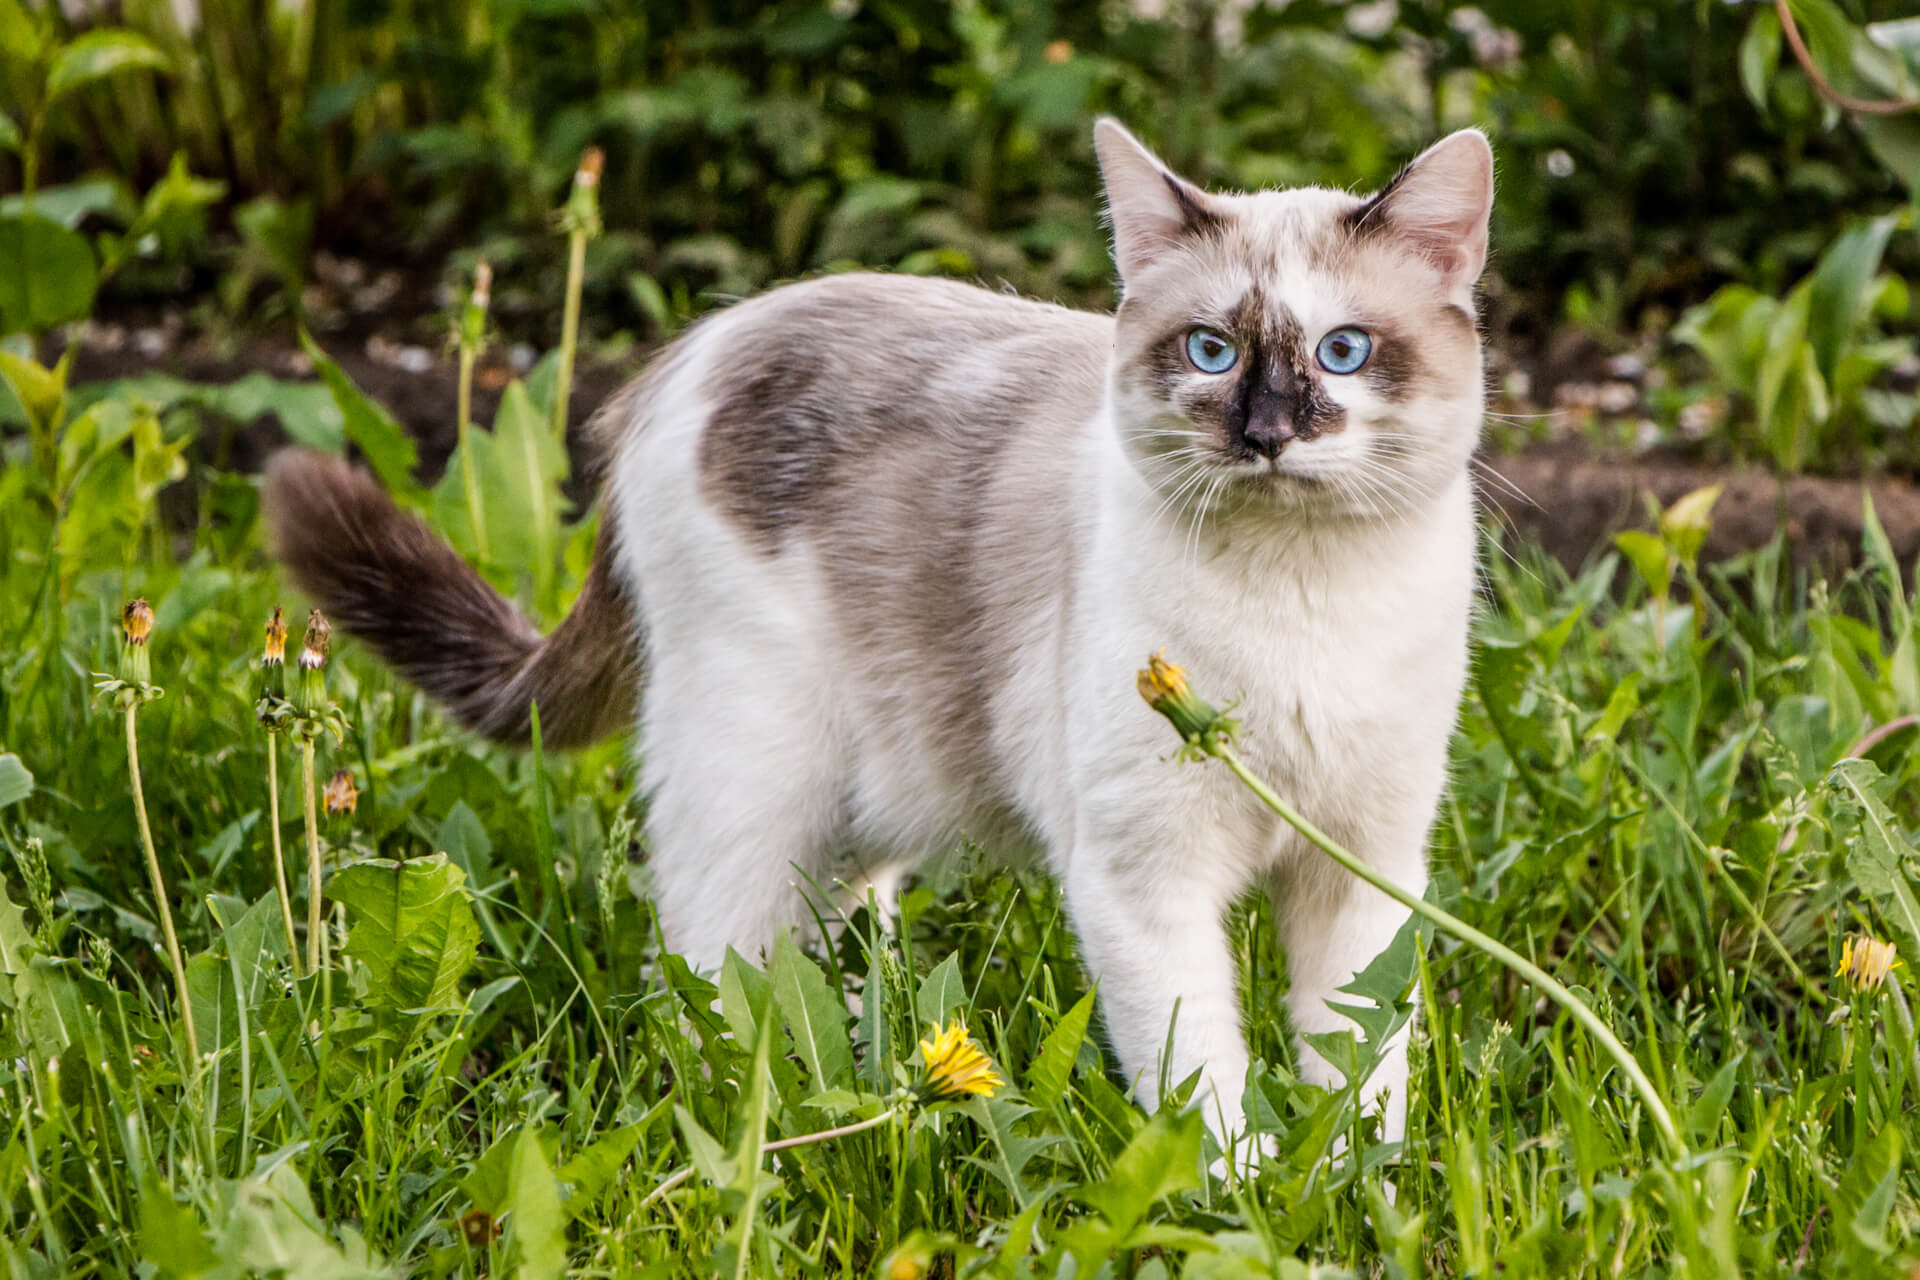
x=815, y=1015
x=1047, y=1077
x=411, y=924
x=1878, y=855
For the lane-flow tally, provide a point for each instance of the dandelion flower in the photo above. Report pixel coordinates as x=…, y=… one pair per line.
x=1866, y=962
x=136, y=627
x=341, y=795
x=956, y=1067
x=1165, y=688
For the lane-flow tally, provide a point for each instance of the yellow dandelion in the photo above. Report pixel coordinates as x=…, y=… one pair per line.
x=1866, y=962
x=956, y=1067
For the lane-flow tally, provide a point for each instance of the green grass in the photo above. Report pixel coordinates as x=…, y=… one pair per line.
x=1648, y=801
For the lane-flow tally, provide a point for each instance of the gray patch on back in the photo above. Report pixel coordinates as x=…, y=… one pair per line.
x=918, y=435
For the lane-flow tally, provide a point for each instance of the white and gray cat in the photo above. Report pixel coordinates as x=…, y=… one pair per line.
x=881, y=556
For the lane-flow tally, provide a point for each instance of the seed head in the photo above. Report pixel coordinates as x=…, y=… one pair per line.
x=955, y=1067
x=341, y=795
x=1866, y=962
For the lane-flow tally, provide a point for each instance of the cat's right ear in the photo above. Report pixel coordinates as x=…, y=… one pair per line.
x=1151, y=208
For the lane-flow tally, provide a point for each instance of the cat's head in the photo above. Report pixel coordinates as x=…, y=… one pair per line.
x=1304, y=348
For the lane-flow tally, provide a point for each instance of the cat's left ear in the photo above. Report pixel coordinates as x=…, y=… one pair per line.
x=1151, y=208
x=1440, y=205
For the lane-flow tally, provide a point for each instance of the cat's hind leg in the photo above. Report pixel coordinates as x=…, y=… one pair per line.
x=746, y=802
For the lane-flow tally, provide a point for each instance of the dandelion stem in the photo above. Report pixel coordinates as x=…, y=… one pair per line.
x=316, y=929
x=279, y=856
x=1215, y=745
x=679, y=1176
x=569, y=329
x=159, y=885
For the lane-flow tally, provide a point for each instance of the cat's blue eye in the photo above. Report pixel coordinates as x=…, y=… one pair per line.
x=1344, y=350
x=1211, y=352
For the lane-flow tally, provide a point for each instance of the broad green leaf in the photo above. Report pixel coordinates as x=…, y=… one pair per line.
x=269, y=1226
x=1878, y=856
x=47, y=274
x=524, y=499
x=99, y=54
x=228, y=984
x=1841, y=290
x=1163, y=1158
x=535, y=1215
x=1385, y=985
x=384, y=441
x=1047, y=1077
x=816, y=1016
x=171, y=1237
x=16, y=783
x=941, y=992
x=412, y=925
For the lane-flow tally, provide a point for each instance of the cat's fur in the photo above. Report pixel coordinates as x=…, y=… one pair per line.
x=894, y=548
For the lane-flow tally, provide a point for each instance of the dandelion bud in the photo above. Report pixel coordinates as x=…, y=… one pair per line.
x=483, y=284
x=316, y=643
x=310, y=693
x=592, y=161
x=1866, y=962
x=136, y=625
x=1165, y=688
x=473, y=317
x=341, y=795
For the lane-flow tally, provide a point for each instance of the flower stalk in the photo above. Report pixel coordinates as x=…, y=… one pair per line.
x=473, y=340
x=580, y=219
x=127, y=691
x=1208, y=733
x=272, y=710
x=312, y=715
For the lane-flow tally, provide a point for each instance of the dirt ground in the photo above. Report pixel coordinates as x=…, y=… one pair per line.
x=1574, y=498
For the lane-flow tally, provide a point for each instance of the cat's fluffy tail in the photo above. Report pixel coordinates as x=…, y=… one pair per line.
x=380, y=574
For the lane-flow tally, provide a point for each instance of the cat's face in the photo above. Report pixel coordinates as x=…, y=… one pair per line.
x=1306, y=349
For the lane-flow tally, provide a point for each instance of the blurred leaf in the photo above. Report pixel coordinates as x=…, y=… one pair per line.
x=16, y=783
x=388, y=447
x=1840, y=296
x=594, y=1169
x=21, y=36
x=1649, y=557
x=1760, y=56
x=411, y=924
x=37, y=388
x=47, y=274
x=9, y=133
x=1162, y=1158
x=171, y=1237
x=72, y=203
x=98, y=54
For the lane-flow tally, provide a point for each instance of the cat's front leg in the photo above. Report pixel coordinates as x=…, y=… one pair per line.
x=1333, y=926
x=1151, y=926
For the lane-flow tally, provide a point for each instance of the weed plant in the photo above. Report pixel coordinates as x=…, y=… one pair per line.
x=1688, y=805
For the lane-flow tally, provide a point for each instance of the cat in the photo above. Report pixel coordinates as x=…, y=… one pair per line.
x=893, y=548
